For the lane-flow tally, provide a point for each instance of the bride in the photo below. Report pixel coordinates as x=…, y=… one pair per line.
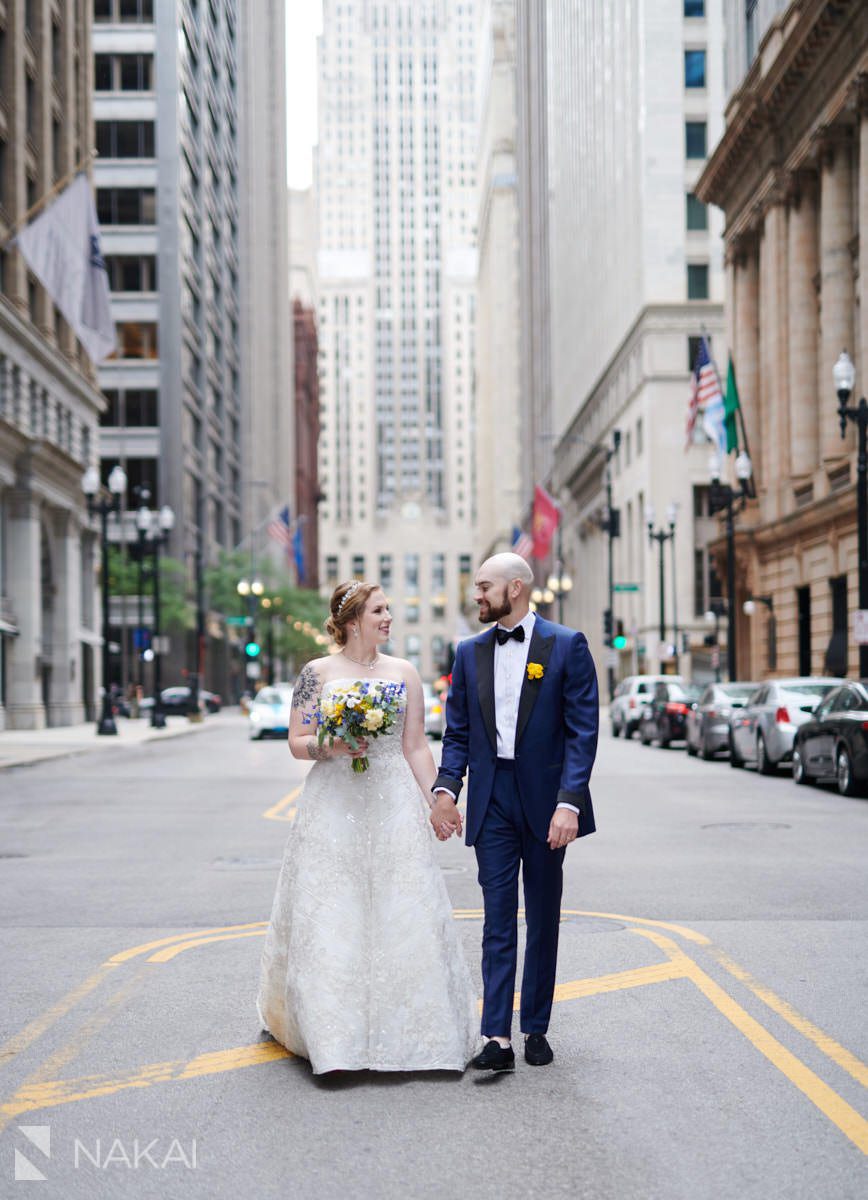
x=362, y=967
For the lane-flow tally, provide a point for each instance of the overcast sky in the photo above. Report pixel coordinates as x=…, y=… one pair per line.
x=303, y=23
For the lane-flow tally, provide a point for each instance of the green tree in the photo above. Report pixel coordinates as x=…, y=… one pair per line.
x=176, y=611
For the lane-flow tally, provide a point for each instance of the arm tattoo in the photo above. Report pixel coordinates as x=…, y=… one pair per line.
x=316, y=751
x=306, y=687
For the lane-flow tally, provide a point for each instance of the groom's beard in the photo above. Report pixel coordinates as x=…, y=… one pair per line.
x=495, y=612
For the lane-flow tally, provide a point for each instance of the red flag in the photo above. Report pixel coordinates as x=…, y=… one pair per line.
x=546, y=515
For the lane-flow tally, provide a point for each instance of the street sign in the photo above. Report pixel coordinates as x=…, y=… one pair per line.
x=860, y=626
x=612, y=658
x=236, y=620
x=626, y=587
x=254, y=670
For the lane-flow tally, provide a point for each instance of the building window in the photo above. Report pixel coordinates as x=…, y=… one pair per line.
x=331, y=569
x=696, y=139
x=438, y=586
x=125, y=139
x=132, y=272
x=697, y=281
x=411, y=574
x=137, y=339
x=124, y=72
x=438, y=654
x=697, y=213
x=358, y=566
x=413, y=649
x=131, y=12
x=694, y=68
x=751, y=29
x=694, y=8
x=132, y=407
x=639, y=437
x=837, y=650
x=385, y=572
x=126, y=206
x=140, y=472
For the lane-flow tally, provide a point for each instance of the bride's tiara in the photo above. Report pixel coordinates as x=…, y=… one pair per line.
x=351, y=591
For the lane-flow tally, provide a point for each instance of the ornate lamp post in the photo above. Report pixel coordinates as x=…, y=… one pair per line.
x=559, y=584
x=154, y=527
x=845, y=376
x=104, y=501
x=661, y=536
x=722, y=496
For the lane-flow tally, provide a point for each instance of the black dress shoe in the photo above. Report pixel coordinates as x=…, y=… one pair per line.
x=537, y=1051
x=494, y=1057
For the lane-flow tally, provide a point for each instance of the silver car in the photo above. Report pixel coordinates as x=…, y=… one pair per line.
x=763, y=731
x=708, y=722
x=435, y=717
x=632, y=697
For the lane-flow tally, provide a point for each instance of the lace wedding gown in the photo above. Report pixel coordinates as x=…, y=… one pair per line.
x=362, y=967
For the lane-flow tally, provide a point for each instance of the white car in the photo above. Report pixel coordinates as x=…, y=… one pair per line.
x=269, y=713
x=632, y=697
x=435, y=718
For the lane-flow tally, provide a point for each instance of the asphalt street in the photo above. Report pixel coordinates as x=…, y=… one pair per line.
x=709, y=1027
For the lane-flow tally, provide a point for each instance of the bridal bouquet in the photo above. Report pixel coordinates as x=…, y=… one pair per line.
x=365, y=709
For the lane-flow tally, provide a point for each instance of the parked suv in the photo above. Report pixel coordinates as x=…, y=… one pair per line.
x=632, y=696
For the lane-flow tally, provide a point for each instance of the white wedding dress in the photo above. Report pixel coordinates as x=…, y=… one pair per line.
x=362, y=967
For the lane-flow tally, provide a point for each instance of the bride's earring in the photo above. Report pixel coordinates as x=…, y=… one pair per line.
x=356, y=631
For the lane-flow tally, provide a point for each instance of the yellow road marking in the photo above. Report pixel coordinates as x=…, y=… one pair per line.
x=47, y=1093
x=282, y=810
x=26, y=1036
x=144, y=947
x=34, y=1096
x=832, y=1049
x=851, y=1123
x=171, y=951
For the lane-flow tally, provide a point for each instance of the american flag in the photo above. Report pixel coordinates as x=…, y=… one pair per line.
x=279, y=529
x=522, y=543
x=704, y=387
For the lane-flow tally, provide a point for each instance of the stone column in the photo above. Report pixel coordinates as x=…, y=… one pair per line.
x=836, y=279
x=862, y=361
x=66, y=703
x=802, y=252
x=24, y=707
x=746, y=337
x=774, y=449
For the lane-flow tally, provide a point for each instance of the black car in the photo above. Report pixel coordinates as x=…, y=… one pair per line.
x=665, y=718
x=833, y=744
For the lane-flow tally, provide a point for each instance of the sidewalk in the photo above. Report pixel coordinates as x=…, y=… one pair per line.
x=24, y=747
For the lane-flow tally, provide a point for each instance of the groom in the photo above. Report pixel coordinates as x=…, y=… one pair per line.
x=523, y=715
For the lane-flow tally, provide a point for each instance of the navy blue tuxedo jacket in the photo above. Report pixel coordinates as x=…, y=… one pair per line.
x=556, y=731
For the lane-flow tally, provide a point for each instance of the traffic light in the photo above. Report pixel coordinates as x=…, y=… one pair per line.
x=608, y=626
x=619, y=641
x=614, y=522
x=252, y=649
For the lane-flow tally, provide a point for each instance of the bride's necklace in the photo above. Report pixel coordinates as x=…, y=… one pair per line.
x=368, y=666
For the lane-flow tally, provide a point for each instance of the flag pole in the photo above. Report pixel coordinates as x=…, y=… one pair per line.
x=18, y=225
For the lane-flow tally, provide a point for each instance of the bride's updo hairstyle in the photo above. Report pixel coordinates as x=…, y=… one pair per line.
x=347, y=604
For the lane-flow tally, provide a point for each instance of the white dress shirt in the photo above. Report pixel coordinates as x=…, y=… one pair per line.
x=510, y=667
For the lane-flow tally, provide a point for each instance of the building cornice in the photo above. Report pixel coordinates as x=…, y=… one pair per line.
x=763, y=133
x=49, y=358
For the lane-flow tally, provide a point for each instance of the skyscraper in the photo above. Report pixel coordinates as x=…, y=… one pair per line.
x=190, y=126
x=395, y=181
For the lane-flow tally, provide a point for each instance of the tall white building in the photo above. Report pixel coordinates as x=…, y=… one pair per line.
x=633, y=99
x=395, y=182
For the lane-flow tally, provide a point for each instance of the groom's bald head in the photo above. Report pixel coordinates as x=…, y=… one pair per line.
x=502, y=588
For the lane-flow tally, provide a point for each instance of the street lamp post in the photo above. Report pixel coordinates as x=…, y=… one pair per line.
x=104, y=501
x=845, y=376
x=143, y=518
x=661, y=536
x=559, y=582
x=157, y=527
x=722, y=496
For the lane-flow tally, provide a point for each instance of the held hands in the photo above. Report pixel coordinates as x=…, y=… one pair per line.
x=444, y=817
x=563, y=829
x=340, y=749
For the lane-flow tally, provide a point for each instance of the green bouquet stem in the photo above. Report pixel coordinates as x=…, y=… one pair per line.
x=360, y=765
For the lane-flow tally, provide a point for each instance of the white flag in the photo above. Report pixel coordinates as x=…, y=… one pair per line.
x=61, y=247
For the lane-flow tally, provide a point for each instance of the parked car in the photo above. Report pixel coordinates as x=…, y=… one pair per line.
x=833, y=743
x=212, y=701
x=763, y=730
x=269, y=713
x=665, y=718
x=708, y=722
x=435, y=716
x=175, y=701
x=632, y=696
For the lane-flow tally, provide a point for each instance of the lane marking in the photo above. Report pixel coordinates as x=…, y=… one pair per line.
x=851, y=1123
x=832, y=1049
x=35, y=1029
x=144, y=947
x=284, y=809
x=47, y=1094
x=170, y=952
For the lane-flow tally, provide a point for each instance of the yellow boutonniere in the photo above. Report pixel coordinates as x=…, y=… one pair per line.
x=535, y=670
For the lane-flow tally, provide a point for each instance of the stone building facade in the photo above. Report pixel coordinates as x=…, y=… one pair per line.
x=49, y=406
x=791, y=174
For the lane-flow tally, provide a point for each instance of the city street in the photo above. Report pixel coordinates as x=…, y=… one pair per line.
x=708, y=1026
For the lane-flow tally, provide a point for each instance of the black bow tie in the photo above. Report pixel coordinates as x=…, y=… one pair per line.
x=503, y=635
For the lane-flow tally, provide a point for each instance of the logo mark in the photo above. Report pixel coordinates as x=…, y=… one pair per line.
x=40, y=1136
